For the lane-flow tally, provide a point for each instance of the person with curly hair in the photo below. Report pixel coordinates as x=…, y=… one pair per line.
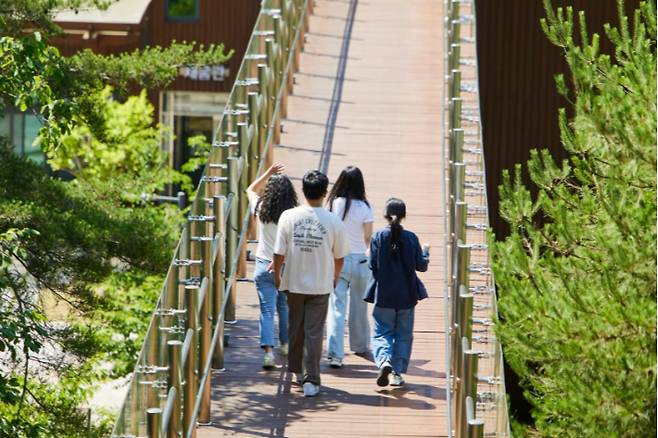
x=269, y=196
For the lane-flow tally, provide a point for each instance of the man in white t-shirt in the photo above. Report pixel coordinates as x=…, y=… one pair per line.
x=313, y=243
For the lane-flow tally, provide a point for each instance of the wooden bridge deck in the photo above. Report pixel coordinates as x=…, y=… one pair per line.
x=369, y=93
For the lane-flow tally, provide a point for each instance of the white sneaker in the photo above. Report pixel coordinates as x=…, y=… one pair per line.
x=335, y=362
x=311, y=390
x=397, y=380
x=384, y=371
x=268, y=361
x=283, y=349
x=298, y=378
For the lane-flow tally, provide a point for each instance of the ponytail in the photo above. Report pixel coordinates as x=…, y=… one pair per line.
x=396, y=230
x=395, y=211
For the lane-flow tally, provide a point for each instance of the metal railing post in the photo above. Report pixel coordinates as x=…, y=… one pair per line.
x=192, y=321
x=456, y=118
x=243, y=182
x=204, y=338
x=457, y=145
x=219, y=282
x=189, y=393
x=474, y=426
x=461, y=212
x=456, y=187
x=456, y=82
x=455, y=31
x=254, y=118
x=232, y=234
x=454, y=55
x=460, y=276
x=272, y=95
x=183, y=254
x=469, y=382
x=153, y=416
x=174, y=380
x=465, y=314
x=264, y=110
x=284, y=47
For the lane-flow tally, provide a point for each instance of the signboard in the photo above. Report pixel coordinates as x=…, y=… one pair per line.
x=204, y=72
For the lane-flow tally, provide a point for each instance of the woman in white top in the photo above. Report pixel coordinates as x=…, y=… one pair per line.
x=348, y=201
x=269, y=196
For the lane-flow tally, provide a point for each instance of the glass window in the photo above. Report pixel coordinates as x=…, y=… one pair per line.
x=30, y=133
x=17, y=133
x=5, y=127
x=182, y=9
x=22, y=130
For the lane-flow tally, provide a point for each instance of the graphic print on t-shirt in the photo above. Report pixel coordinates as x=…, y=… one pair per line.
x=308, y=234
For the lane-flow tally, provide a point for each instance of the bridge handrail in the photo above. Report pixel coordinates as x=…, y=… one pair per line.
x=469, y=393
x=170, y=387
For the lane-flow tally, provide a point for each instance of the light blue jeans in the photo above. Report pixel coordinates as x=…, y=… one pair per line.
x=271, y=300
x=353, y=277
x=393, y=336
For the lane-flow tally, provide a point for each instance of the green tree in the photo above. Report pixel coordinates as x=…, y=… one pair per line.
x=577, y=275
x=81, y=263
x=80, y=269
x=130, y=149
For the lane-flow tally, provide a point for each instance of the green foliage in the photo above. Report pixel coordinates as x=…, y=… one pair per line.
x=201, y=150
x=121, y=320
x=58, y=413
x=151, y=67
x=81, y=263
x=182, y=8
x=65, y=92
x=131, y=149
x=577, y=275
x=103, y=256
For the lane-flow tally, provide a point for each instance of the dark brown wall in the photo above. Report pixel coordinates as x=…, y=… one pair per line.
x=227, y=21
x=518, y=100
x=220, y=21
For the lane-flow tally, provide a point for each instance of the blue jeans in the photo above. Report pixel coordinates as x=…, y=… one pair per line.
x=354, y=276
x=270, y=300
x=393, y=337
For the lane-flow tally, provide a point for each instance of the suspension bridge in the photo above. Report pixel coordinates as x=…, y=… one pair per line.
x=391, y=88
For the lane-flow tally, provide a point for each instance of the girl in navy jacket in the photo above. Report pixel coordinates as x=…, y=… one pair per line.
x=394, y=289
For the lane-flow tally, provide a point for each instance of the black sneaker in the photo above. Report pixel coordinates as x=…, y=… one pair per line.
x=384, y=371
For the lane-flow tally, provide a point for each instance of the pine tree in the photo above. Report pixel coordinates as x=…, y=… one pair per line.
x=577, y=275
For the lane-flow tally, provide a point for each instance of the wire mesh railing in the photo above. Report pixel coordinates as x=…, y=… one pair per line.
x=169, y=393
x=476, y=385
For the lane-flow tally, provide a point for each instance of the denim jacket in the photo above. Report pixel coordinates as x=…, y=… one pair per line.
x=394, y=283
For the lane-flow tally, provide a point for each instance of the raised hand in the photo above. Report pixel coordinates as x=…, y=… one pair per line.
x=276, y=169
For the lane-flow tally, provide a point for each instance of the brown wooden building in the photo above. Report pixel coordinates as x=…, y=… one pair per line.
x=518, y=98
x=193, y=103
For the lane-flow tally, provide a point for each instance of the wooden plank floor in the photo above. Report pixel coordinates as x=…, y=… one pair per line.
x=388, y=122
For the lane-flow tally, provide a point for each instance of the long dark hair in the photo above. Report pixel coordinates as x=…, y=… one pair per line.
x=394, y=212
x=279, y=195
x=349, y=185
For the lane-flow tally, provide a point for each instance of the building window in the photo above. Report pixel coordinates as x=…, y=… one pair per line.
x=22, y=129
x=182, y=10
